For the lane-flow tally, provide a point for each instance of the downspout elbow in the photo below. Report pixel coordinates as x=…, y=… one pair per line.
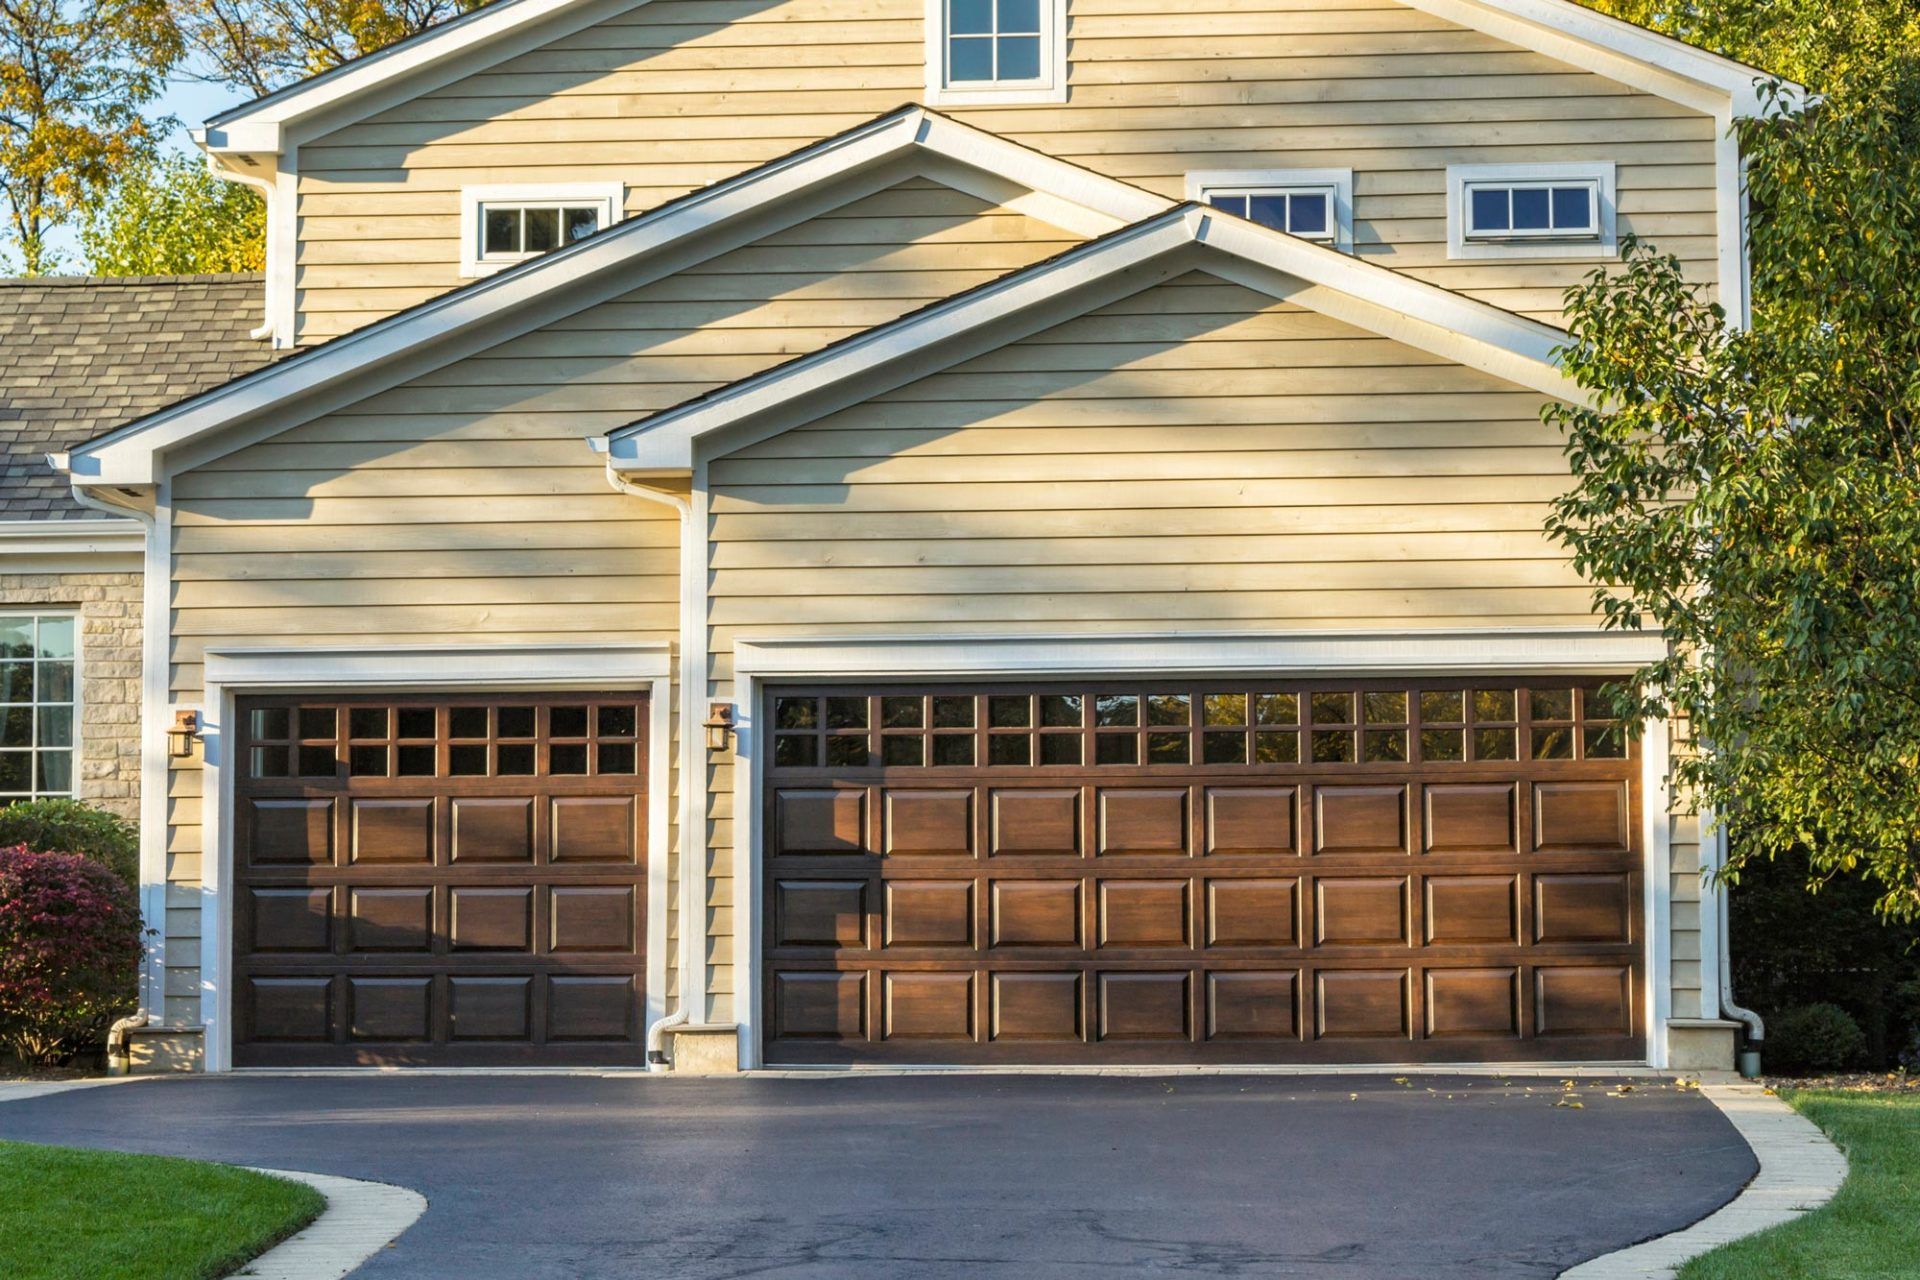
x=119, y=1058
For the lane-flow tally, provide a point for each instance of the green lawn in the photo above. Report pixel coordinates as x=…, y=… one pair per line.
x=1871, y=1230
x=83, y=1215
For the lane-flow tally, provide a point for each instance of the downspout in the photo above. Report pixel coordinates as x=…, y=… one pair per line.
x=267, y=189
x=152, y=889
x=1749, y=1059
x=691, y=913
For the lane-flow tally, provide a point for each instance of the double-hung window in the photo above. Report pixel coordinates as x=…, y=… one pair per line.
x=1546, y=210
x=502, y=225
x=1313, y=204
x=986, y=51
x=39, y=704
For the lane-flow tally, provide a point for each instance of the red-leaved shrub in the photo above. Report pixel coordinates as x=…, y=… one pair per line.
x=70, y=945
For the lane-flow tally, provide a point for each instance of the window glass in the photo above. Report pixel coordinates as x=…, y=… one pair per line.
x=993, y=41
x=515, y=230
x=1307, y=213
x=1522, y=210
x=38, y=711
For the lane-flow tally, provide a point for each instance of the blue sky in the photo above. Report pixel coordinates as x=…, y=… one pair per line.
x=192, y=102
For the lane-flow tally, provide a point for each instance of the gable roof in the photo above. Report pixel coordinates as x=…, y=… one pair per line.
x=499, y=30
x=87, y=353
x=615, y=261
x=1188, y=237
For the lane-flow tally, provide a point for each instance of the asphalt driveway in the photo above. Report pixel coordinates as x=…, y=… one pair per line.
x=1035, y=1177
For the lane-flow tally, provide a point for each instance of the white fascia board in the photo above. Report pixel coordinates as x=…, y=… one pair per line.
x=133, y=455
x=1566, y=651
x=71, y=537
x=1646, y=60
x=438, y=666
x=263, y=126
x=1426, y=316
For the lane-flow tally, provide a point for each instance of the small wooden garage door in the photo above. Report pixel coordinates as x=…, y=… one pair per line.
x=440, y=880
x=1334, y=871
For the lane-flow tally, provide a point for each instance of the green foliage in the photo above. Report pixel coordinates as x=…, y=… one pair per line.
x=77, y=1215
x=1867, y=1232
x=1756, y=494
x=1791, y=947
x=1812, y=1039
x=172, y=216
x=259, y=45
x=74, y=75
x=73, y=826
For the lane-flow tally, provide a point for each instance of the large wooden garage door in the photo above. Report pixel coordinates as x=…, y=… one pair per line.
x=1338, y=871
x=436, y=880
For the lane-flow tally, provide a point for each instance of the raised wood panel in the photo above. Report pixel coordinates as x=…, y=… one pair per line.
x=1472, y=910
x=1362, y=1004
x=1253, y=1006
x=1253, y=820
x=1037, y=822
x=821, y=821
x=1580, y=817
x=929, y=822
x=1582, y=908
x=929, y=913
x=1144, y=913
x=1473, y=1003
x=1145, y=821
x=1578, y=1000
x=1470, y=818
x=820, y=913
x=1367, y=819
x=929, y=1006
x=1036, y=1007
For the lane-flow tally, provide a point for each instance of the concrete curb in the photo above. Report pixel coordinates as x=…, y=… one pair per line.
x=1800, y=1170
x=361, y=1219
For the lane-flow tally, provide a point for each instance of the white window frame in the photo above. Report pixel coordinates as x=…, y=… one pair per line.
x=608, y=197
x=1050, y=87
x=1533, y=244
x=1203, y=184
x=34, y=790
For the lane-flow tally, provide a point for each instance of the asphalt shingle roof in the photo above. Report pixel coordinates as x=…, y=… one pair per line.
x=80, y=355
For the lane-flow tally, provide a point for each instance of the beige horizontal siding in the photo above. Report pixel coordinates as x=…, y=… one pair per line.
x=465, y=506
x=677, y=94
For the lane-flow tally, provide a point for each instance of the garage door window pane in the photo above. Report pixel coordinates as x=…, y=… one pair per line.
x=467, y=722
x=1606, y=742
x=367, y=762
x=1386, y=746
x=1225, y=748
x=1167, y=748
x=515, y=759
x=846, y=713
x=1331, y=747
x=516, y=722
x=367, y=722
x=618, y=722
x=952, y=750
x=1005, y=712
x=567, y=722
x=1114, y=709
x=1443, y=706
x=1443, y=744
x=846, y=751
x=902, y=713
x=1493, y=744
x=1333, y=708
x=1116, y=748
x=1062, y=711
x=268, y=762
x=1169, y=709
x=1279, y=708
x=1276, y=748
x=416, y=761
x=903, y=752
x=567, y=759
x=467, y=761
x=1010, y=749
x=318, y=762
x=1060, y=749
x=953, y=713
x=617, y=757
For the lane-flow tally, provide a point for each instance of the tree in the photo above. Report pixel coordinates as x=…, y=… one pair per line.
x=172, y=216
x=260, y=45
x=74, y=75
x=1756, y=494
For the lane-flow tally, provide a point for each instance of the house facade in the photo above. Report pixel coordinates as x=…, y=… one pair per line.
x=921, y=532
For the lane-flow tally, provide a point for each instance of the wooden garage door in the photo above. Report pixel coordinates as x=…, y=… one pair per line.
x=1341, y=871
x=436, y=880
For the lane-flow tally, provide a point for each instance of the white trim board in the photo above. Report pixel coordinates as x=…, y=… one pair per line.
x=231, y=673
x=1185, y=238
x=627, y=255
x=758, y=663
x=72, y=546
x=1049, y=88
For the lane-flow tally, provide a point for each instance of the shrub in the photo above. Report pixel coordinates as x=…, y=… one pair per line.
x=69, y=826
x=1810, y=1039
x=70, y=946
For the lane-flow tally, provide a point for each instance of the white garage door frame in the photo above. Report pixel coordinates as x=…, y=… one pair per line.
x=1552, y=651
x=234, y=673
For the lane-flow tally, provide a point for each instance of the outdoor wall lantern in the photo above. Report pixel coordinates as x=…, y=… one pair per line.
x=185, y=728
x=719, y=725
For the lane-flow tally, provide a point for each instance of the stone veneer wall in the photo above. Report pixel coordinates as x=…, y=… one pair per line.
x=109, y=607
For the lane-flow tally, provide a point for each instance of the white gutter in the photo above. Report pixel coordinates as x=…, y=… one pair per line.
x=692, y=932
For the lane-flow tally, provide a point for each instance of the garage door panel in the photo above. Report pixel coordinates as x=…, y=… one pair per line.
x=1145, y=820
x=1036, y=823
x=929, y=823
x=1360, y=819
x=490, y=919
x=1378, y=893
x=929, y=1006
x=287, y=832
x=1253, y=912
x=1252, y=820
x=492, y=829
x=489, y=900
x=929, y=913
x=397, y=919
x=1253, y=1005
x=289, y=921
x=1035, y=913
x=391, y=830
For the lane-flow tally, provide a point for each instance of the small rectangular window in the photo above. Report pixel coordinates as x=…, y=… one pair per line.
x=996, y=51
x=1512, y=211
x=1313, y=204
x=508, y=224
x=1530, y=210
